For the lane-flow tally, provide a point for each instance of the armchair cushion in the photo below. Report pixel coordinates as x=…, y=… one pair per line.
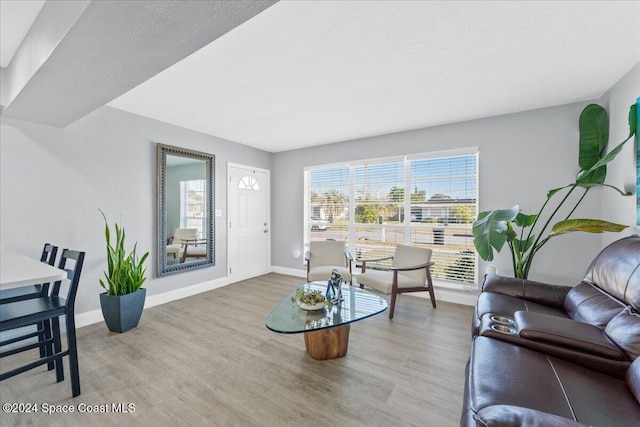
x=409, y=256
x=179, y=236
x=323, y=273
x=327, y=252
x=324, y=256
x=381, y=280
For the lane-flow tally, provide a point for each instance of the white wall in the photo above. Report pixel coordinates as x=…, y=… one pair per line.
x=522, y=156
x=53, y=181
x=622, y=171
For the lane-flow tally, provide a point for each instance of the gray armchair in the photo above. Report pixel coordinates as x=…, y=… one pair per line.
x=324, y=256
x=410, y=271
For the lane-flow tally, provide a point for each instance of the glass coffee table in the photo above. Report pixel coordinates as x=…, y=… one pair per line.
x=326, y=331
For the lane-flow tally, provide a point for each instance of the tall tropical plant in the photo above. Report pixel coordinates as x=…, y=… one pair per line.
x=125, y=272
x=525, y=234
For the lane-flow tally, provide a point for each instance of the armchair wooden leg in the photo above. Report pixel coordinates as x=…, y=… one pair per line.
x=394, y=292
x=432, y=294
x=392, y=305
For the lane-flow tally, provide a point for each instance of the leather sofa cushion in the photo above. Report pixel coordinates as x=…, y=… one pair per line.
x=624, y=330
x=566, y=333
x=616, y=270
x=542, y=293
x=586, y=303
x=489, y=302
x=633, y=378
x=504, y=374
x=509, y=416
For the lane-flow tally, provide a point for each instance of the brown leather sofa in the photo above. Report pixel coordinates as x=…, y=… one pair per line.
x=558, y=355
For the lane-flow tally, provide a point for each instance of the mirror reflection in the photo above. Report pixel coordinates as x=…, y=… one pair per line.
x=185, y=209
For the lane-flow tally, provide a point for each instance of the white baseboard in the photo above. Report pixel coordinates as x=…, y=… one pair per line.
x=95, y=316
x=288, y=271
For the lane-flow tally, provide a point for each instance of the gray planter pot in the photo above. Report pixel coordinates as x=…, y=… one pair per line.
x=122, y=312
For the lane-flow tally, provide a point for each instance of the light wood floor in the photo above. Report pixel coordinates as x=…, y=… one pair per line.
x=210, y=360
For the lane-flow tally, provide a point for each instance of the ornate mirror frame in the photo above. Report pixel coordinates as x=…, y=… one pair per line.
x=209, y=260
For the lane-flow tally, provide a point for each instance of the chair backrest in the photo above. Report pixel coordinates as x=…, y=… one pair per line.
x=184, y=234
x=327, y=252
x=73, y=274
x=49, y=253
x=407, y=256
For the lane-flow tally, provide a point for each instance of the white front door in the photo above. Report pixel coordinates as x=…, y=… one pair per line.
x=248, y=222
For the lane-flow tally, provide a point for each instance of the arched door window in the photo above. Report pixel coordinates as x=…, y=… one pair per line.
x=248, y=183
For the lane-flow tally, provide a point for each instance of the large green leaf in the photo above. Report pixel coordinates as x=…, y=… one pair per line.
x=521, y=246
x=596, y=176
x=490, y=231
x=550, y=193
x=523, y=220
x=594, y=134
x=603, y=161
x=586, y=225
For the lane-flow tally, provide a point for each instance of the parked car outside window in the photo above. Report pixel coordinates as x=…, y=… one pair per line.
x=318, y=224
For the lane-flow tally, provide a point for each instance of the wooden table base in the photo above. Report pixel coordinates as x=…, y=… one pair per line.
x=329, y=343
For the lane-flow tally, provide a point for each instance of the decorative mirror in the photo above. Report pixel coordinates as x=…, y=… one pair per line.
x=185, y=210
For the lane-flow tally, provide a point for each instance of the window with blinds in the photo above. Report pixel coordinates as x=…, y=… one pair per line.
x=427, y=200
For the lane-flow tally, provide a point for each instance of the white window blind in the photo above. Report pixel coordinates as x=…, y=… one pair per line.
x=443, y=207
x=428, y=201
x=328, y=203
x=379, y=213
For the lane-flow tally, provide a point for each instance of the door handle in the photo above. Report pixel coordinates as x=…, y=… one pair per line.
x=266, y=231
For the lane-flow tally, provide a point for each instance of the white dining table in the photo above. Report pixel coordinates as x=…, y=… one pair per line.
x=18, y=270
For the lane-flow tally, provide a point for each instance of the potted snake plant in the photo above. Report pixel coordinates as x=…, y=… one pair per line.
x=123, y=301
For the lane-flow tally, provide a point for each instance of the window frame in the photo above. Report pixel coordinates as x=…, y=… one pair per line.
x=406, y=225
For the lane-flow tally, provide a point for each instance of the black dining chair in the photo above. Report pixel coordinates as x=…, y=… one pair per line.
x=22, y=293
x=48, y=309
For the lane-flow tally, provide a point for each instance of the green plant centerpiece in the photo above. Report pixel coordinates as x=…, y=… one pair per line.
x=123, y=301
x=309, y=300
x=526, y=234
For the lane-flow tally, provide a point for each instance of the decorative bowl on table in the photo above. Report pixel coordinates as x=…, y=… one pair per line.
x=308, y=307
x=309, y=300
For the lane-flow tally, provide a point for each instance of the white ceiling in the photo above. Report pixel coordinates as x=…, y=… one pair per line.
x=306, y=73
x=16, y=18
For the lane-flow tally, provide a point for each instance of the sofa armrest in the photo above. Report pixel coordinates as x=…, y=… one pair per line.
x=567, y=333
x=543, y=293
x=511, y=416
